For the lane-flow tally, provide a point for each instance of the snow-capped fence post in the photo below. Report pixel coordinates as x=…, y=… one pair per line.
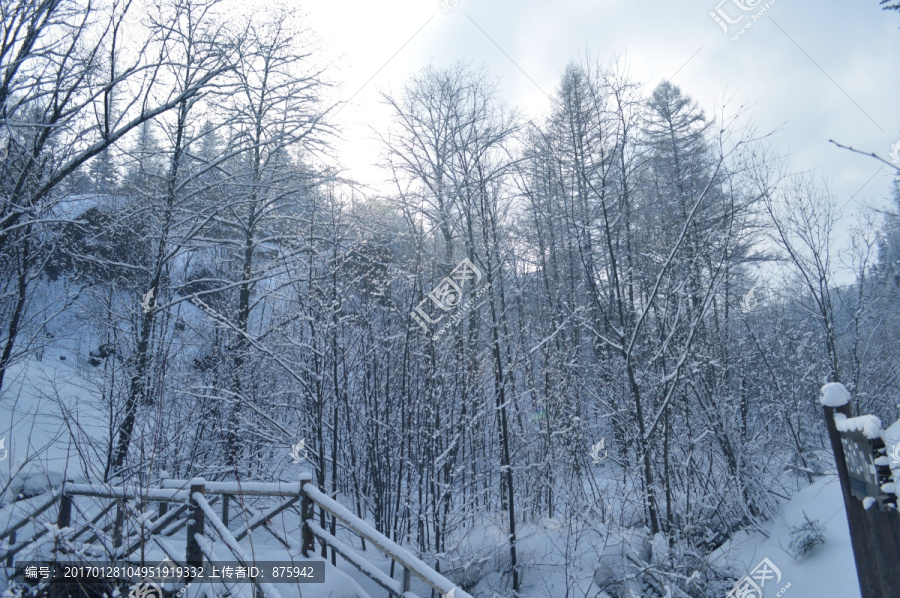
x=874, y=530
x=194, y=553
x=64, y=516
x=306, y=513
x=162, y=506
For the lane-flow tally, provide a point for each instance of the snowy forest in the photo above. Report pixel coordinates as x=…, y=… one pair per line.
x=612, y=321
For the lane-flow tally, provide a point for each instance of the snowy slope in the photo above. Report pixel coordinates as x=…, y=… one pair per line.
x=827, y=572
x=556, y=560
x=41, y=449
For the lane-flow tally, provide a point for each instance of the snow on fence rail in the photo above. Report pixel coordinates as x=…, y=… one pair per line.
x=393, y=586
x=196, y=510
x=9, y=534
x=244, y=488
x=198, y=499
x=48, y=500
x=125, y=492
x=869, y=490
x=410, y=563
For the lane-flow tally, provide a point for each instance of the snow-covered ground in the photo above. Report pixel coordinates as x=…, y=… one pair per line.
x=41, y=450
x=558, y=560
x=827, y=572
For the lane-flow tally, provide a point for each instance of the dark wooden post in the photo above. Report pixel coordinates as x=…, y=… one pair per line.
x=162, y=506
x=306, y=512
x=405, y=584
x=64, y=519
x=65, y=511
x=225, y=499
x=12, y=542
x=120, y=523
x=874, y=532
x=853, y=514
x=193, y=554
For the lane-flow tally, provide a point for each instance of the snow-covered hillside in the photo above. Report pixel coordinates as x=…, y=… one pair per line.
x=557, y=560
x=826, y=572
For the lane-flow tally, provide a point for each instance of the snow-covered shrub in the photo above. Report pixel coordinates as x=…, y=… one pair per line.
x=475, y=552
x=620, y=561
x=805, y=536
x=684, y=571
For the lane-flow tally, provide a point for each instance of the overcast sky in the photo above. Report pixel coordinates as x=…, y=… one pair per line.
x=815, y=70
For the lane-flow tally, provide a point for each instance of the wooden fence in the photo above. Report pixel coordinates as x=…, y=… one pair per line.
x=190, y=504
x=870, y=500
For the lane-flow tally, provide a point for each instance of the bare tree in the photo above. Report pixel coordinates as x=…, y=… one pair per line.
x=197, y=53
x=804, y=228
x=63, y=66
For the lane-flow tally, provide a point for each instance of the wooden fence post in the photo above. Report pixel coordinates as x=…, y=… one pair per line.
x=306, y=513
x=63, y=520
x=225, y=498
x=12, y=542
x=874, y=532
x=162, y=506
x=65, y=511
x=404, y=586
x=193, y=553
x=119, y=525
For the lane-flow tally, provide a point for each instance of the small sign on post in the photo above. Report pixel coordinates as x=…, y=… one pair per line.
x=860, y=465
x=867, y=472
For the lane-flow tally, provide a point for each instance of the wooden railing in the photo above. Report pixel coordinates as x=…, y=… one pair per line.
x=410, y=564
x=191, y=510
x=869, y=492
x=184, y=503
